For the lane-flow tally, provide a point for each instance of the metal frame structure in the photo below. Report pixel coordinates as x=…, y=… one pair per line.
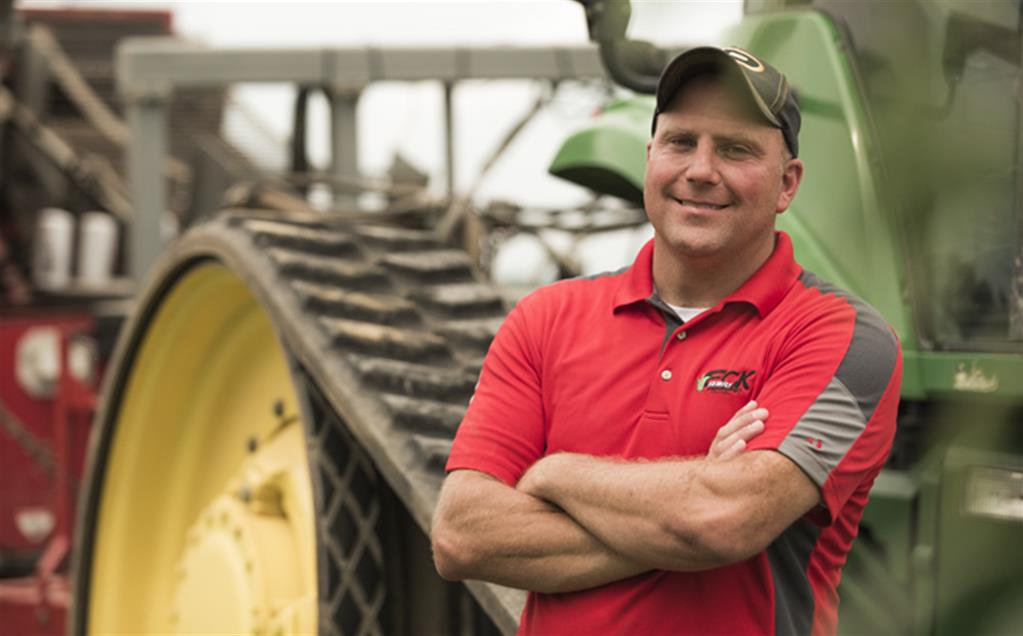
x=150, y=69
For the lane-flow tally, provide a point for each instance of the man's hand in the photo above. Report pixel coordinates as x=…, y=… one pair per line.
x=731, y=439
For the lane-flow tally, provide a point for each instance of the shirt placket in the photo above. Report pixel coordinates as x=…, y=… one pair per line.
x=664, y=384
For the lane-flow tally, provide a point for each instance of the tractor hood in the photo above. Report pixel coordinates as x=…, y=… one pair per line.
x=608, y=156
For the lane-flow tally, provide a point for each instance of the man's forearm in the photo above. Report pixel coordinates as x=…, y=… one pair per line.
x=624, y=504
x=491, y=532
x=677, y=514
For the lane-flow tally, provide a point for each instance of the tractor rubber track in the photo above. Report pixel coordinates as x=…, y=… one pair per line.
x=390, y=328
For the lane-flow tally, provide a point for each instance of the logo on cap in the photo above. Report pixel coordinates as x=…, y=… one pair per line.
x=745, y=58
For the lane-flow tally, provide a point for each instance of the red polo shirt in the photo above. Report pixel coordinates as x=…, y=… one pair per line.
x=601, y=366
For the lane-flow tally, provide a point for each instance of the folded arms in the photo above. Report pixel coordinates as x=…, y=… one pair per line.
x=575, y=521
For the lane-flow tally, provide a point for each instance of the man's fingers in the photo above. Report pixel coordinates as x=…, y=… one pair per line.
x=734, y=450
x=747, y=423
x=751, y=430
x=749, y=406
x=741, y=419
x=744, y=434
x=733, y=444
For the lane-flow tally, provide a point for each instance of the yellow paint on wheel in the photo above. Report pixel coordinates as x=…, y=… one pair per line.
x=206, y=519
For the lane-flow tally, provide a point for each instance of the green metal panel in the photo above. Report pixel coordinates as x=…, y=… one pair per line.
x=841, y=228
x=876, y=593
x=979, y=558
x=609, y=156
x=947, y=374
x=941, y=80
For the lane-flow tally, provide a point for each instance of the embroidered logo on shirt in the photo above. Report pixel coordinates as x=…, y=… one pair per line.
x=725, y=380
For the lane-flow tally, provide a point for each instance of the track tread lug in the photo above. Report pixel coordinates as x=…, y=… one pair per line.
x=430, y=266
x=417, y=380
x=323, y=269
x=391, y=342
x=300, y=238
x=476, y=333
x=460, y=299
x=396, y=238
x=424, y=415
x=338, y=302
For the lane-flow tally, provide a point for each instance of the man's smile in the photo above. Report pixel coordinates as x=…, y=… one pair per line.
x=702, y=205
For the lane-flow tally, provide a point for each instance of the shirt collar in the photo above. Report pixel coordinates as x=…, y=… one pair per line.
x=764, y=289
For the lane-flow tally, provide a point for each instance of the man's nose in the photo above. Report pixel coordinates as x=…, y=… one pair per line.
x=702, y=166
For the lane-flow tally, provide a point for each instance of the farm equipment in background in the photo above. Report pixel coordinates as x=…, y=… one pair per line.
x=310, y=368
x=73, y=150
x=62, y=175
x=47, y=386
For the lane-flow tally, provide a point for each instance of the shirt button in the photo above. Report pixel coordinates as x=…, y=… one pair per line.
x=666, y=375
x=680, y=335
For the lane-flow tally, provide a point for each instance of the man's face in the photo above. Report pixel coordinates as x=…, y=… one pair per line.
x=716, y=175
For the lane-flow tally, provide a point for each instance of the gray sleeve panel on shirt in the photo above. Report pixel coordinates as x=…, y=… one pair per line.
x=825, y=433
x=867, y=367
x=868, y=364
x=835, y=420
x=789, y=558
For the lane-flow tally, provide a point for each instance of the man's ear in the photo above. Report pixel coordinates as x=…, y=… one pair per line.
x=648, y=144
x=791, y=177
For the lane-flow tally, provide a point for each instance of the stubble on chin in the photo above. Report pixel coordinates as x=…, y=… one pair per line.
x=691, y=246
x=690, y=238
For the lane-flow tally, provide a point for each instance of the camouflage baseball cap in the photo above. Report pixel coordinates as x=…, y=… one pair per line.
x=768, y=88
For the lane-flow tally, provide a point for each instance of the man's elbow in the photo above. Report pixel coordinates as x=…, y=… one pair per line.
x=733, y=545
x=451, y=553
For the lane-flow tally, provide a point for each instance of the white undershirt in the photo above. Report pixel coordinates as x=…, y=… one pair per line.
x=687, y=313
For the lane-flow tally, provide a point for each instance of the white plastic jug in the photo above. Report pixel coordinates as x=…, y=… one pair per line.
x=97, y=246
x=51, y=254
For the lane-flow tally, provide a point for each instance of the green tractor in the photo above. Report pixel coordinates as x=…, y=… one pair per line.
x=277, y=415
x=913, y=200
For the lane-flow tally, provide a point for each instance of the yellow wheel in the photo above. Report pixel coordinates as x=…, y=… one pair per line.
x=271, y=438
x=206, y=522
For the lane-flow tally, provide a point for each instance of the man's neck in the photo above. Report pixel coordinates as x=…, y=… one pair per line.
x=704, y=282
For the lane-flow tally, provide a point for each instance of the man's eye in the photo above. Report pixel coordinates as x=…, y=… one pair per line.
x=735, y=151
x=682, y=142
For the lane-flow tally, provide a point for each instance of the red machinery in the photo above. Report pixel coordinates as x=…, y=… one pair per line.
x=47, y=395
x=63, y=148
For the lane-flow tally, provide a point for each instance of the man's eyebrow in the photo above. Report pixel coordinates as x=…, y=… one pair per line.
x=676, y=131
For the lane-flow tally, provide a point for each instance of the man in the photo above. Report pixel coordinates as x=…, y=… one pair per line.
x=686, y=446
